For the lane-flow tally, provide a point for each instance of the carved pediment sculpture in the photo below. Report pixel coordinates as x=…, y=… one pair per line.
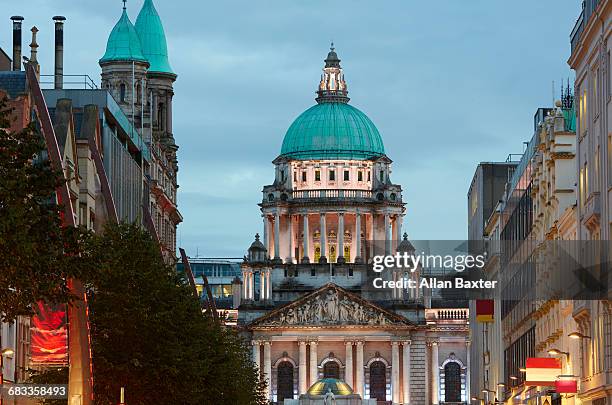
x=329, y=307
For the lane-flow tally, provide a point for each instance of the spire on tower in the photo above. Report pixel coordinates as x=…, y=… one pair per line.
x=124, y=4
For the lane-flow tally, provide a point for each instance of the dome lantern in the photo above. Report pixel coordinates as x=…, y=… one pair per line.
x=257, y=251
x=332, y=87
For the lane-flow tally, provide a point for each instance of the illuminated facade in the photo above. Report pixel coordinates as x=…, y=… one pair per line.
x=312, y=314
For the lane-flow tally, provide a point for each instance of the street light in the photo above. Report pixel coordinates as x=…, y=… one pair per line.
x=578, y=335
x=513, y=377
x=523, y=370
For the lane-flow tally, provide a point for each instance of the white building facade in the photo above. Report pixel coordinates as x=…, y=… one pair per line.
x=313, y=315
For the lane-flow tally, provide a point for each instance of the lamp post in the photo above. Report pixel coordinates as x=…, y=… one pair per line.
x=4, y=352
x=578, y=335
x=486, y=392
x=557, y=352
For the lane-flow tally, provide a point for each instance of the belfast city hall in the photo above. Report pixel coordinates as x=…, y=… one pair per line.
x=320, y=332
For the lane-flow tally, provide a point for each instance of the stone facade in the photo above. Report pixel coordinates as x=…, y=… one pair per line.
x=313, y=313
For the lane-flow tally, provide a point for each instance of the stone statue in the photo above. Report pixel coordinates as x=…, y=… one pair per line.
x=330, y=398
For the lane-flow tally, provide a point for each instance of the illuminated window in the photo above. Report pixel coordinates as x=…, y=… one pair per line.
x=346, y=175
x=317, y=175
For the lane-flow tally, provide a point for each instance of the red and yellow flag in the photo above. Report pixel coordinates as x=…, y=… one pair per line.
x=485, y=310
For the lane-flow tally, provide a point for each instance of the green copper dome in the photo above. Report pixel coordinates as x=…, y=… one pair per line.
x=332, y=130
x=123, y=43
x=153, y=38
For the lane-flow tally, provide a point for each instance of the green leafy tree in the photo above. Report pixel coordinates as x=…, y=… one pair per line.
x=37, y=254
x=149, y=334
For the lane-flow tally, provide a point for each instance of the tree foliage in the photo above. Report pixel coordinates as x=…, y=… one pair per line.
x=37, y=254
x=149, y=334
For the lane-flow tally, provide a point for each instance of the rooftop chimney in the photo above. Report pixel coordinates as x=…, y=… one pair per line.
x=17, y=19
x=59, y=51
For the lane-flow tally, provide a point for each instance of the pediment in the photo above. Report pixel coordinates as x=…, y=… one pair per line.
x=329, y=306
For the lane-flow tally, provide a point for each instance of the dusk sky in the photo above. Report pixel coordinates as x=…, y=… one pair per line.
x=448, y=83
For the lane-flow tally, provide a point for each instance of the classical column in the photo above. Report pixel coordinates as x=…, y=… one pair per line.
x=314, y=372
x=340, y=256
x=305, y=258
x=468, y=370
x=169, y=113
x=435, y=368
x=398, y=230
x=266, y=236
x=303, y=382
x=256, y=358
x=406, y=372
x=277, y=236
x=371, y=237
x=262, y=285
x=268, y=284
x=359, y=369
x=348, y=371
x=290, y=238
x=387, y=232
x=358, y=258
x=268, y=368
x=245, y=285
x=395, y=372
x=323, y=230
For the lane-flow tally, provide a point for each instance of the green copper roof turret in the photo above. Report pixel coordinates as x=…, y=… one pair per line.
x=123, y=43
x=153, y=38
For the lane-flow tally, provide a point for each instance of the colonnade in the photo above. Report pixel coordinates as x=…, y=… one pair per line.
x=354, y=366
x=274, y=233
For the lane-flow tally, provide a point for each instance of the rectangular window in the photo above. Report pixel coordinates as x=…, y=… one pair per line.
x=313, y=272
x=360, y=176
x=346, y=175
x=295, y=272
x=294, y=176
x=304, y=175
x=382, y=176
x=332, y=175
x=317, y=175
x=369, y=175
x=350, y=272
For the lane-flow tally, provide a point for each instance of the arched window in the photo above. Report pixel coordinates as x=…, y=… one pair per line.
x=331, y=369
x=378, y=380
x=284, y=381
x=122, y=92
x=452, y=382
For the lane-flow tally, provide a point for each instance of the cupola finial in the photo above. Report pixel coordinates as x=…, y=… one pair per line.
x=124, y=4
